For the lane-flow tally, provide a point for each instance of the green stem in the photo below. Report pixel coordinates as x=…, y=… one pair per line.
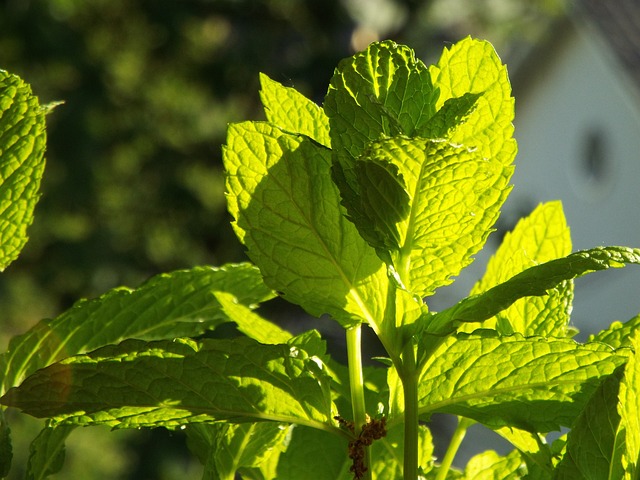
x=454, y=445
x=356, y=382
x=410, y=386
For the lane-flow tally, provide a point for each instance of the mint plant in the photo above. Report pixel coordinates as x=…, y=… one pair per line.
x=359, y=211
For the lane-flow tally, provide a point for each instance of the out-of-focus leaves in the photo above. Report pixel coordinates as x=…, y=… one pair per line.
x=47, y=452
x=6, y=447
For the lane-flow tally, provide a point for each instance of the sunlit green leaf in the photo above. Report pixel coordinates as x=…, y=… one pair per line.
x=288, y=215
x=535, y=281
x=472, y=66
x=491, y=466
x=167, y=306
x=388, y=453
x=534, y=384
x=629, y=410
x=22, y=146
x=171, y=383
x=538, y=238
x=291, y=111
x=429, y=206
x=618, y=334
x=381, y=92
x=249, y=322
x=225, y=448
x=533, y=448
x=592, y=450
x=450, y=116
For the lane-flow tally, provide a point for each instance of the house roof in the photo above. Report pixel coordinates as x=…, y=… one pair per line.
x=619, y=23
x=616, y=21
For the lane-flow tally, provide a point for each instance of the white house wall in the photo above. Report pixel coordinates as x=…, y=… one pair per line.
x=581, y=92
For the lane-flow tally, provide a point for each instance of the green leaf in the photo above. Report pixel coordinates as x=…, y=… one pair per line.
x=491, y=466
x=533, y=448
x=381, y=92
x=451, y=115
x=393, y=188
x=22, y=146
x=629, y=410
x=534, y=384
x=472, y=66
x=429, y=206
x=387, y=453
x=225, y=448
x=434, y=474
x=541, y=237
x=535, y=281
x=291, y=111
x=47, y=452
x=166, y=306
x=171, y=383
x=315, y=454
x=288, y=215
x=592, y=449
x=249, y=322
x=618, y=334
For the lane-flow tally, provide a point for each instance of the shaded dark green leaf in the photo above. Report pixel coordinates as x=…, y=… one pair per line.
x=47, y=452
x=171, y=383
x=181, y=303
x=6, y=447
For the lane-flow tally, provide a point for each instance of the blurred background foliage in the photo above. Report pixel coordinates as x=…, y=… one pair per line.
x=134, y=184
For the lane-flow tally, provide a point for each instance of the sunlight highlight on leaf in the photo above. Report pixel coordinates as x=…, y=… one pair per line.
x=288, y=215
x=538, y=238
x=472, y=66
x=22, y=141
x=534, y=384
x=291, y=111
x=450, y=197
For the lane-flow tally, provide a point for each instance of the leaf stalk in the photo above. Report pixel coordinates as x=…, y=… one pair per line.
x=410, y=385
x=454, y=445
x=356, y=383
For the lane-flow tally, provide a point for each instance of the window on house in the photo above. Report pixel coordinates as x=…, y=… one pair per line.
x=594, y=157
x=591, y=171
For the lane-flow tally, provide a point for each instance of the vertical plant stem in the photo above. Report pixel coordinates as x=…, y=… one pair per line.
x=454, y=445
x=410, y=386
x=356, y=383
